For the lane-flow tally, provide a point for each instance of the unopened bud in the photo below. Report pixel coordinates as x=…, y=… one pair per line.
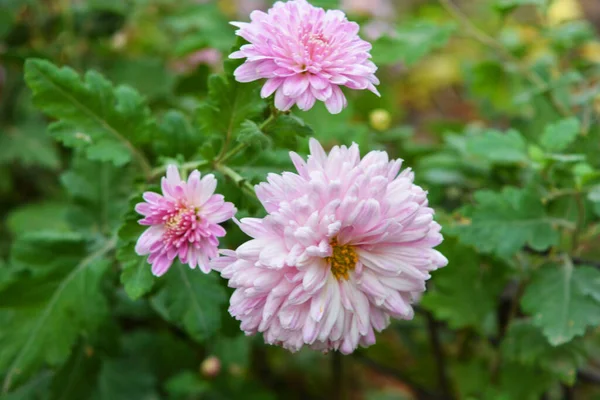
x=210, y=367
x=380, y=119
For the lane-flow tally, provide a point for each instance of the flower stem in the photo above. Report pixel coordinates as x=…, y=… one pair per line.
x=158, y=171
x=224, y=155
x=337, y=372
x=438, y=354
x=239, y=180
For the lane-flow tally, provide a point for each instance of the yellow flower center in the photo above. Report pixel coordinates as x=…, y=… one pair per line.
x=342, y=260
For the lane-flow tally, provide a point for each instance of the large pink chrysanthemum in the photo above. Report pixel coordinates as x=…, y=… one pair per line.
x=347, y=244
x=183, y=222
x=306, y=54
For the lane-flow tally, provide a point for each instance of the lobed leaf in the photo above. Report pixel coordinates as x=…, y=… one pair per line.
x=43, y=329
x=499, y=147
x=504, y=222
x=563, y=301
x=192, y=300
x=108, y=123
x=558, y=136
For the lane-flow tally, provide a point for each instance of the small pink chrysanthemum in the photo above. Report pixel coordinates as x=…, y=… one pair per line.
x=347, y=244
x=306, y=54
x=183, y=221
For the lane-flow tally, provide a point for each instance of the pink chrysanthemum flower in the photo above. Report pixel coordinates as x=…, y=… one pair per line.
x=183, y=222
x=347, y=244
x=306, y=54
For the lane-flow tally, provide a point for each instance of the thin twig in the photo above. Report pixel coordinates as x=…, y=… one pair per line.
x=438, y=353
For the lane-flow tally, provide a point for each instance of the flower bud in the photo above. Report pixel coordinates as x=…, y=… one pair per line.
x=380, y=119
x=210, y=367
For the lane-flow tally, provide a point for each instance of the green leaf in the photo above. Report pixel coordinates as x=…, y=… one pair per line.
x=594, y=197
x=508, y=5
x=99, y=192
x=411, y=42
x=570, y=34
x=35, y=389
x=126, y=379
x=520, y=382
x=499, y=147
x=233, y=351
x=285, y=130
x=192, y=300
x=136, y=275
x=558, y=136
x=491, y=82
x=468, y=298
x=505, y=222
x=107, y=122
x=524, y=343
x=35, y=217
x=72, y=381
x=28, y=145
x=251, y=134
x=178, y=136
x=187, y=384
x=229, y=104
x=44, y=332
x=563, y=301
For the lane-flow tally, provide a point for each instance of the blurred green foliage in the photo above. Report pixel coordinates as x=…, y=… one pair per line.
x=494, y=104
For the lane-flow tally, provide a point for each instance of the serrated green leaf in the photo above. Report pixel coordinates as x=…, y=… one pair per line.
x=251, y=134
x=558, y=136
x=505, y=222
x=44, y=333
x=177, y=136
x=99, y=192
x=113, y=121
x=411, y=42
x=28, y=145
x=560, y=303
x=136, y=274
x=499, y=147
x=468, y=298
x=285, y=130
x=192, y=300
x=229, y=104
x=524, y=343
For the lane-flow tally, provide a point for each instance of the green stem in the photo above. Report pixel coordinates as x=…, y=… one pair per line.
x=239, y=180
x=224, y=156
x=580, y=221
x=156, y=172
